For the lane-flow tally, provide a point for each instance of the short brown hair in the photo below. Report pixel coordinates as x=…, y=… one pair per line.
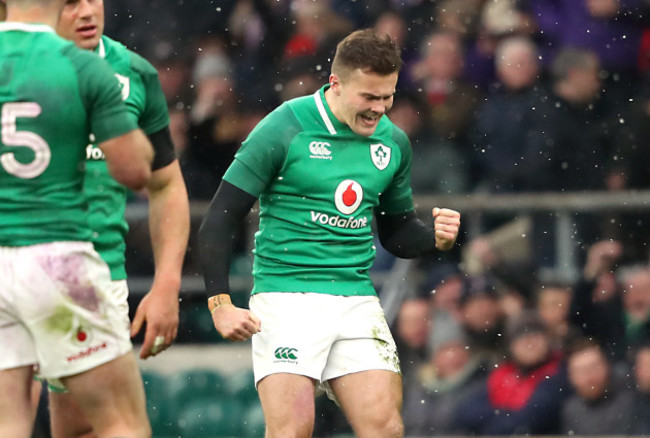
x=582, y=344
x=368, y=51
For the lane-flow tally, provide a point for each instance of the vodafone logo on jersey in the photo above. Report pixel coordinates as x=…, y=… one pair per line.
x=348, y=196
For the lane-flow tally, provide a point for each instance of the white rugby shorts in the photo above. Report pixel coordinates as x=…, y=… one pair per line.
x=320, y=336
x=59, y=309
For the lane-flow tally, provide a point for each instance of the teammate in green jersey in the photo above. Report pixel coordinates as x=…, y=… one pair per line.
x=322, y=166
x=82, y=21
x=56, y=313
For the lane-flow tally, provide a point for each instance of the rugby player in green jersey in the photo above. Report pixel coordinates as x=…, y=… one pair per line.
x=321, y=166
x=56, y=311
x=82, y=21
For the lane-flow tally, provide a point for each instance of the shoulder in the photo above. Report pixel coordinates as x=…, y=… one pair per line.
x=83, y=59
x=287, y=114
x=388, y=130
x=117, y=52
x=141, y=65
x=400, y=137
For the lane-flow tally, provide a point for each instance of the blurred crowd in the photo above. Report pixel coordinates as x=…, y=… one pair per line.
x=484, y=356
x=497, y=96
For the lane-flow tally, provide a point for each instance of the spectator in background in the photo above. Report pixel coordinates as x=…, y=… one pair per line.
x=317, y=29
x=581, y=127
x=451, y=374
x=215, y=130
x=451, y=100
x=630, y=172
x=411, y=333
x=641, y=421
x=441, y=166
x=445, y=284
x=524, y=394
x=608, y=28
x=602, y=404
x=553, y=303
x=579, y=136
x=393, y=24
x=174, y=71
x=301, y=75
x=509, y=123
x=482, y=317
x=499, y=19
x=612, y=304
x=634, y=160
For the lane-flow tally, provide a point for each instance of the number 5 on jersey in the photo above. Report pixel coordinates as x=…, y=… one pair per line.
x=11, y=137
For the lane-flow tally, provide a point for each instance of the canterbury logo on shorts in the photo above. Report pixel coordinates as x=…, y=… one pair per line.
x=286, y=353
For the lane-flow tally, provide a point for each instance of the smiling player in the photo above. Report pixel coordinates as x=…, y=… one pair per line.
x=321, y=165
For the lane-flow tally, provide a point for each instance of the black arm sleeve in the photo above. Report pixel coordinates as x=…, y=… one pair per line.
x=220, y=225
x=405, y=235
x=163, y=147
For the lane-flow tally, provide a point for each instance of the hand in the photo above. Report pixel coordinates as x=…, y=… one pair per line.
x=159, y=309
x=446, y=223
x=234, y=323
x=601, y=258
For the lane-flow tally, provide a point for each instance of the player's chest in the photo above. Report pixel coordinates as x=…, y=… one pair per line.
x=314, y=163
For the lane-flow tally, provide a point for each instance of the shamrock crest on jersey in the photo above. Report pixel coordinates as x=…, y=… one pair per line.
x=380, y=155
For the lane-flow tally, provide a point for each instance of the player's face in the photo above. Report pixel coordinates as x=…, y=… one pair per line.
x=364, y=97
x=82, y=21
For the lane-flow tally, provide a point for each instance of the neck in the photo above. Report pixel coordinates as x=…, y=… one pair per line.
x=332, y=102
x=48, y=15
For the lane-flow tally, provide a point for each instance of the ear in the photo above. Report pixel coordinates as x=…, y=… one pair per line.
x=335, y=84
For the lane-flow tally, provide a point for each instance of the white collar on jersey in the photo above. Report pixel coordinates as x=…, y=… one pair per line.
x=25, y=27
x=323, y=112
x=102, y=49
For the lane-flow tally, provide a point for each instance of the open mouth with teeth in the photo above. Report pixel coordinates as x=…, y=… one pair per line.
x=369, y=119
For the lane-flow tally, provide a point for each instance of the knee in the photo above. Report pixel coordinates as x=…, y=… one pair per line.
x=384, y=426
x=289, y=431
x=393, y=426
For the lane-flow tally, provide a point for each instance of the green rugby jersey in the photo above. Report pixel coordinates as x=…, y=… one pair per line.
x=318, y=183
x=147, y=106
x=52, y=95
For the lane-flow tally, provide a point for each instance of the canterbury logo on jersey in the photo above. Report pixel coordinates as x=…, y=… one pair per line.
x=338, y=221
x=320, y=150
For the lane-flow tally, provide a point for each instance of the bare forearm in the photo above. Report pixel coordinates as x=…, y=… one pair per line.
x=169, y=225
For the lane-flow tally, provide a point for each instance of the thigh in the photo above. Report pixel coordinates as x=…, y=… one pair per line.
x=288, y=405
x=16, y=417
x=67, y=419
x=112, y=398
x=17, y=348
x=371, y=401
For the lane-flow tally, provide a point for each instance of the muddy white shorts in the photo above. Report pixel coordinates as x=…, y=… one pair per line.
x=59, y=309
x=320, y=336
